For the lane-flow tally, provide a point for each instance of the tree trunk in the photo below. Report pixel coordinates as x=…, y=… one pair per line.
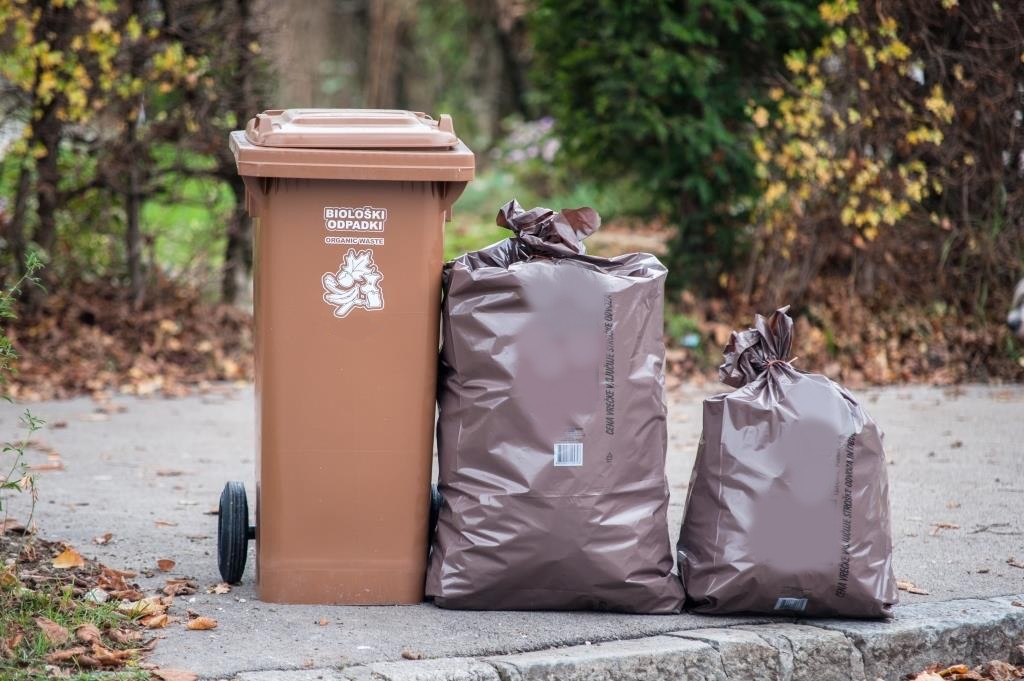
x=16, y=227
x=133, y=234
x=47, y=134
x=238, y=246
x=386, y=19
x=237, y=249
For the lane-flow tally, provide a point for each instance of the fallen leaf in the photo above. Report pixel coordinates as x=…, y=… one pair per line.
x=7, y=647
x=174, y=675
x=55, y=465
x=412, y=655
x=54, y=633
x=8, y=579
x=219, y=588
x=64, y=655
x=955, y=669
x=124, y=637
x=1013, y=562
x=154, y=605
x=88, y=633
x=112, y=658
x=10, y=525
x=323, y=622
x=69, y=559
x=165, y=523
x=105, y=539
x=58, y=424
x=201, y=624
x=952, y=504
x=1017, y=604
x=910, y=587
x=956, y=444
x=937, y=527
x=165, y=564
x=215, y=510
x=157, y=621
x=180, y=587
x=998, y=670
x=122, y=574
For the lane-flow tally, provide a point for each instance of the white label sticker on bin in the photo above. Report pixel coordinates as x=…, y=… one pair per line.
x=357, y=283
x=365, y=219
x=367, y=222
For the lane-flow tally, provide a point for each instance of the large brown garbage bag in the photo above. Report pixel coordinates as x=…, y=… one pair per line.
x=551, y=428
x=788, y=506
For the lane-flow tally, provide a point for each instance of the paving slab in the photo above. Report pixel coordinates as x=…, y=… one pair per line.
x=150, y=475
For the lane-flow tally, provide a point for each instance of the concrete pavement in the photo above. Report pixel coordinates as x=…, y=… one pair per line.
x=150, y=474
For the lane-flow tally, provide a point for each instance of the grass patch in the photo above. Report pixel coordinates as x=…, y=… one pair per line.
x=46, y=623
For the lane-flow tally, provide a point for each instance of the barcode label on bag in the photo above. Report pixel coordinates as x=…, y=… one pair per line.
x=568, y=453
x=798, y=604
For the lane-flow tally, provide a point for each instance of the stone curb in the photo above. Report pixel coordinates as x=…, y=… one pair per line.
x=971, y=631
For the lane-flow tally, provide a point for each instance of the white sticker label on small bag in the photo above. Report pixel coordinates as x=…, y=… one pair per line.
x=568, y=453
x=797, y=604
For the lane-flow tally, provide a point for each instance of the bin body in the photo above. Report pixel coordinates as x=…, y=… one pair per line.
x=347, y=295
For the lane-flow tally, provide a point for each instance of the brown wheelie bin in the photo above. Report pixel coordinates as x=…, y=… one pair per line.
x=348, y=209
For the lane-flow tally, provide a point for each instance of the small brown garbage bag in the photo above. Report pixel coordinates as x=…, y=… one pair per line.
x=788, y=506
x=551, y=427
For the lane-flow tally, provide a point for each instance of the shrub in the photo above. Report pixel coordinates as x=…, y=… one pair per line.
x=894, y=158
x=656, y=90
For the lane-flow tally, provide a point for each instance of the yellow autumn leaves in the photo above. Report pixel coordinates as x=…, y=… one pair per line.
x=81, y=72
x=817, y=153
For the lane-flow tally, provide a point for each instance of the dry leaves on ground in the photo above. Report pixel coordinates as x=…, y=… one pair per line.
x=69, y=558
x=155, y=621
x=219, y=588
x=104, y=539
x=910, y=587
x=89, y=634
x=90, y=337
x=174, y=675
x=54, y=633
x=43, y=567
x=201, y=624
x=165, y=564
x=180, y=587
x=1013, y=562
x=996, y=670
x=153, y=605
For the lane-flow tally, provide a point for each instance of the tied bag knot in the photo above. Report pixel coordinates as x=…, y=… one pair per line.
x=753, y=352
x=542, y=231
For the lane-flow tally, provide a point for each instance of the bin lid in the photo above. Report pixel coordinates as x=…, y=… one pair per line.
x=352, y=144
x=350, y=129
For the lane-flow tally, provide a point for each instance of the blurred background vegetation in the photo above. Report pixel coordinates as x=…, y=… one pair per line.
x=862, y=162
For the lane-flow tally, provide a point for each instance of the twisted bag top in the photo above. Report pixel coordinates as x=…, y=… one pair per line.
x=543, y=231
x=750, y=353
x=551, y=426
x=788, y=506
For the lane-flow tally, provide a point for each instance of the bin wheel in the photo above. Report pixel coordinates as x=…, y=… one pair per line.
x=233, y=532
x=435, y=510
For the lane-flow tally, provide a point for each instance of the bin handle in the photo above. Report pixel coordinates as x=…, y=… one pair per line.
x=445, y=124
